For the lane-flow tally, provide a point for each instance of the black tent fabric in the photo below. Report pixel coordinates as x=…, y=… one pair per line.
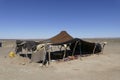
x=82, y=46
x=85, y=47
x=0, y=44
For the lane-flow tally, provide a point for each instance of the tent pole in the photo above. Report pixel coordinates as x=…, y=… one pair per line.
x=26, y=54
x=65, y=46
x=74, y=48
x=103, y=45
x=26, y=51
x=44, y=59
x=51, y=48
x=60, y=47
x=80, y=50
x=49, y=56
x=94, y=48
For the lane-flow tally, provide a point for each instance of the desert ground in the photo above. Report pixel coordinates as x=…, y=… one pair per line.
x=105, y=66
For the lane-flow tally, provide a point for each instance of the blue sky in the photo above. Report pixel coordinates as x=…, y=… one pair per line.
x=46, y=18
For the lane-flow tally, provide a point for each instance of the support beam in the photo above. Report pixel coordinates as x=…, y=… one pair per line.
x=103, y=46
x=44, y=59
x=74, y=48
x=49, y=56
x=80, y=50
x=94, y=48
x=65, y=46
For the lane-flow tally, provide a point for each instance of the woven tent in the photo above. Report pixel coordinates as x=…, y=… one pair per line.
x=86, y=47
x=72, y=46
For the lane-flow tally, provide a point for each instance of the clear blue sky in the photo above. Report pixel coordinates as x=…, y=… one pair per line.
x=46, y=18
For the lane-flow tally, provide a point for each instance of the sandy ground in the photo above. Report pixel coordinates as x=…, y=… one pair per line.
x=95, y=67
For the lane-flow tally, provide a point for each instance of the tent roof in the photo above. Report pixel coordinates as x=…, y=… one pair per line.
x=67, y=42
x=62, y=37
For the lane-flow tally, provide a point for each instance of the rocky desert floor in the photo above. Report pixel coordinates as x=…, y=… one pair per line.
x=105, y=66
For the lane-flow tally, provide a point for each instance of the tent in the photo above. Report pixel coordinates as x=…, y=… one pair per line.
x=76, y=46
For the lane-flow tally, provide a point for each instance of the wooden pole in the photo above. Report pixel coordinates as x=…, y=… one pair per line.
x=80, y=50
x=74, y=48
x=44, y=55
x=94, y=48
x=26, y=52
x=103, y=45
x=65, y=46
x=49, y=60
